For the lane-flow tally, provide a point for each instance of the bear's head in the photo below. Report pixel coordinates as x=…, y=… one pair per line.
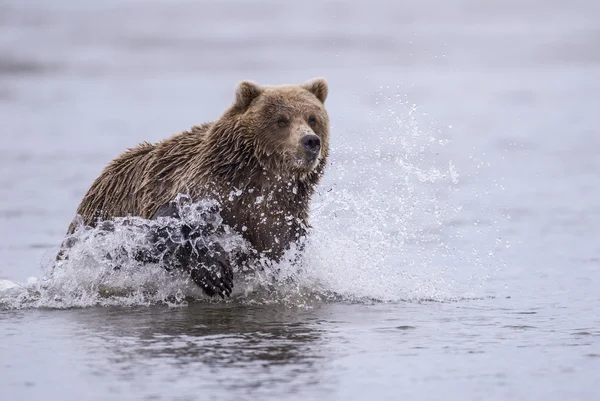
x=285, y=129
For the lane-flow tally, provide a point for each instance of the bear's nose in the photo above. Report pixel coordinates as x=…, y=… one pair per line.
x=312, y=143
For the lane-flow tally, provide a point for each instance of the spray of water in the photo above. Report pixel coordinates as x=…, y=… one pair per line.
x=380, y=232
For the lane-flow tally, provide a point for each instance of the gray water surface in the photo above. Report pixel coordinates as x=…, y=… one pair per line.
x=457, y=224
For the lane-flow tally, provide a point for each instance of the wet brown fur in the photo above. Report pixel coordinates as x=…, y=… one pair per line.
x=245, y=150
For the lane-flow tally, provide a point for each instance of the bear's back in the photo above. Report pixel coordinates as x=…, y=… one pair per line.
x=114, y=192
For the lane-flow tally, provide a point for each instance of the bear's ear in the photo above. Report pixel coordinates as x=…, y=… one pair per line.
x=318, y=87
x=245, y=93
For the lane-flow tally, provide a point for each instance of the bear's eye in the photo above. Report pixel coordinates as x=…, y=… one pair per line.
x=312, y=121
x=282, y=122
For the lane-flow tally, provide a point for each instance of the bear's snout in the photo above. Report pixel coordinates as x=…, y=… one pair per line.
x=312, y=144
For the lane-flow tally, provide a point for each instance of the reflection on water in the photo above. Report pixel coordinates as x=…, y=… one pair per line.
x=347, y=352
x=279, y=346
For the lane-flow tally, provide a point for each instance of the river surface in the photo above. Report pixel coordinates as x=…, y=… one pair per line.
x=454, y=253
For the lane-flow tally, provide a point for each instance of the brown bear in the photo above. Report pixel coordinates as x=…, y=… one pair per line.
x=261, y=161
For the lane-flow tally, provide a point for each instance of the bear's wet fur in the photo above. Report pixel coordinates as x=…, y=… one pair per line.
x=261, y=161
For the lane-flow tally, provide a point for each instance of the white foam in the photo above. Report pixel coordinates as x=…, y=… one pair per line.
x=7, y=285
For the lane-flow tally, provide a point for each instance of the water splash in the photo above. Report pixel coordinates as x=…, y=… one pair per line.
x=381, y=228
x=382, y=231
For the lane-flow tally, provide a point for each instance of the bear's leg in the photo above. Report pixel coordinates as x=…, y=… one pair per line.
x=184, y=247
x=209, y=268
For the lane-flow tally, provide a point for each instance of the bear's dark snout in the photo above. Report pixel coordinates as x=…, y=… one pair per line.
x=312, y=143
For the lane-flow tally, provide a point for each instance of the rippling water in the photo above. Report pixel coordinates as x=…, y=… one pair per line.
x=454, y=250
